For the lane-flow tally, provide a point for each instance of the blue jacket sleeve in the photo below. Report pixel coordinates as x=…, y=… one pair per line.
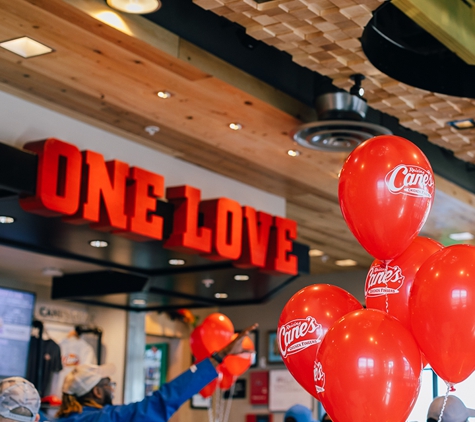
x=160, y=406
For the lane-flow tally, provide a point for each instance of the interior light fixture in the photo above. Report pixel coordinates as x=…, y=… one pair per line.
x=461, y=236
x=176, y=261
x=346, y=263
x=241, y=277
x=52, y=272
x=293, y=152
x=221, y=295
x=99, y=243
x=164, y=94
x=462, y=124
x=315, y=252
x=138, y=7
x=5, y=219
x=139, y=302
x=235, y=126
x=26, y=47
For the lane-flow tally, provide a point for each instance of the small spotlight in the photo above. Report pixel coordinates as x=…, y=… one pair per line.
x=346, y=263
x=221, y=295
x=5, y=219
x=461, y=236
x=99, y=243
x=164, y=94
x=315, y=252
x=176, y=261
x=235, y=126
x=241, y=277
x=293, y=152
x=462, y=124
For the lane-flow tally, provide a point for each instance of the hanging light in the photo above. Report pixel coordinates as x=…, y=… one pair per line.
x=135, y=6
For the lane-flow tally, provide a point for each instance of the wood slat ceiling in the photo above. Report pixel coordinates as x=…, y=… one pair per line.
x=110, y=78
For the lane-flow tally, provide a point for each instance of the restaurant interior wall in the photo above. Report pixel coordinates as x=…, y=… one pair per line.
x=112, y=322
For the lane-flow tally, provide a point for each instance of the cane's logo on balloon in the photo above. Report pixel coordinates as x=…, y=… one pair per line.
x=319, y=377
x=292, y=335
x=410, y=180
x=381, y=281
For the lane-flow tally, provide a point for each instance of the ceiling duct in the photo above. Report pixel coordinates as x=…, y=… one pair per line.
x=339, y=127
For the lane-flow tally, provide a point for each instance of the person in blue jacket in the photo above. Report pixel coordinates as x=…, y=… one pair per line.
x=87, y=391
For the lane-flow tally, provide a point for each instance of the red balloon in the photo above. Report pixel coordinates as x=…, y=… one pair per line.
x=197, y=346
x=238, y=364
x=216, y=332
x=227, y=379
x=367, y=369
x=442, y=309
x=388, y=286
x=386, y=190
x=209, y=389
x=303, y=323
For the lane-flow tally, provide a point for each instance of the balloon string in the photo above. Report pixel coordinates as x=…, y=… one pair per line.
x=217, y=409
x=210, y=411
x=449, y=386
x=230, y=400
x=386, y=298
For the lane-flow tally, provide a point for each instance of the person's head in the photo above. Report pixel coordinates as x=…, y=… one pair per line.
x=298, y=413
x=86, y=385
x=19, y=400
x=455, y=410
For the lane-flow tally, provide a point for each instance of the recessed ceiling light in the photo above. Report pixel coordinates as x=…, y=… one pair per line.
x=99, y=243
x=135, y=6
x=235, y=126
x=241, y=277
x=461, y=236
x=26, y=47
x=462, y=124
x=164, y=94
x=139, y=302
x=346, y=263
x=176, y=261
x=293, y=152
x=52, y=272
x=221, y=295
x=5, y=219
x=315, y=252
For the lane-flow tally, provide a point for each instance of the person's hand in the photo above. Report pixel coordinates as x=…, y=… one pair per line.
x=235, y=346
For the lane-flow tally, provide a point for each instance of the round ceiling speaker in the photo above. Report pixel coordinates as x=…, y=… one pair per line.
x=336, y=135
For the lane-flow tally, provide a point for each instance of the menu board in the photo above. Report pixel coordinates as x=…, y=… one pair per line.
x=16, y=313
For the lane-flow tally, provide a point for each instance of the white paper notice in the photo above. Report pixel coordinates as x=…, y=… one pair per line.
x=284, y=391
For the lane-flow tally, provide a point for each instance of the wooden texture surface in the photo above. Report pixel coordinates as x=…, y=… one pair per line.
x=110, y=78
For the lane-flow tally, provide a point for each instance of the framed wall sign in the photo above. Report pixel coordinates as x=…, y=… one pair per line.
x=273, y=353
x=254, y=336
x=199, y=402
x=155, y=366
x=285, y=391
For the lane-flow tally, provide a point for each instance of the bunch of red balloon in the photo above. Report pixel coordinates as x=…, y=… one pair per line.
x=365, y=364
x=212, y=335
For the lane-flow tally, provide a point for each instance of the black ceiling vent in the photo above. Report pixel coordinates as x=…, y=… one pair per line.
x=340, y=127
x=403, y=50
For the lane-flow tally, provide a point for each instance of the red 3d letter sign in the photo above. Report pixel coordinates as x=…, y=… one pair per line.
x=111, y=196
